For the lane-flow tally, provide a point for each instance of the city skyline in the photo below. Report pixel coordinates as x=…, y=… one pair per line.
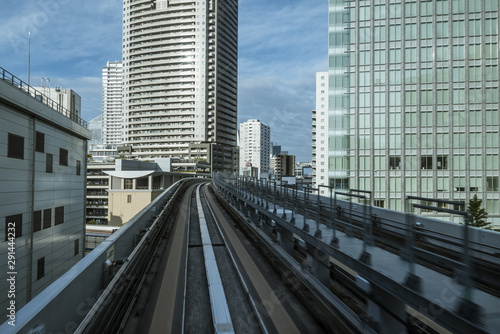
x=276, y=74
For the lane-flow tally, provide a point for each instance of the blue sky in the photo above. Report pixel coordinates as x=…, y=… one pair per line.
x=282, y=44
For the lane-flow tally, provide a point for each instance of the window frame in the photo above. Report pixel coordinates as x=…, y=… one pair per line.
x=12, y=151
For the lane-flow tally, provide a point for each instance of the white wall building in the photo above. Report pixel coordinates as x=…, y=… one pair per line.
x=180, y=78
x=255, y=139
x=320, y=132
x=43, y=188
x=112, y=109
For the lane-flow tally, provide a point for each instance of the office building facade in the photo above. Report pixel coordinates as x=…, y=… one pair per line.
x=255, y=139
x=42, y=173
x=112, y=109
x=180, y=78
x=414, y=97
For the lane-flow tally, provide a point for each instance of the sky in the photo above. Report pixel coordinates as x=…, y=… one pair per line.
x=282, y=44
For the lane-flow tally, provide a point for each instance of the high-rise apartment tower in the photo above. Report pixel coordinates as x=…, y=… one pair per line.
x=112, y=110
x=255, y=138
x=414, y=99
x=320, y=132
x=180, y=79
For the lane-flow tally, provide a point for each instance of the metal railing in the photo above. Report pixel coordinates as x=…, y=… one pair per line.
x=14, y=81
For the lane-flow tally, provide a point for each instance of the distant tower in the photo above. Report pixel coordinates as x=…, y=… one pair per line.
x=320, y=131
x=254, y=145
x=112, y=110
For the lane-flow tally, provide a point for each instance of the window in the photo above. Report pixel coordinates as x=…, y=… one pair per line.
x=40, y=142
x=128, y=183
x=492, y=206
x=426, y=162
x=395, y=33
x=48, y=163
x=411, y=184
x=13, y=226
x=442, y=7
x=59, y=217
x=47, y=218
x=442, y=162
x=63, y=157
x=78, y=167
x=37, y=221
x=474, y=6
x=395, y=11
x=394, y=162
x=15, y=146
x=425, y=8
x=410, y=31
x=492, y=183
x=491, y=26
x=458, y=28
x=40, y=268
x=411, y=141
x=411, y=9
x=426, y=30
x=442, y=29
x=77, y=247
x=129, y=198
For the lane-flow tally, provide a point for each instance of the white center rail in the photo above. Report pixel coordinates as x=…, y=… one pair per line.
x=220, y=310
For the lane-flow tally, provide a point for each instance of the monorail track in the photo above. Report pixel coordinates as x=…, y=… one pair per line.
x=180, y=298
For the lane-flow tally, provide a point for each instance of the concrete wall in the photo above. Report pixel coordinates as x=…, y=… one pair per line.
x=121, y=211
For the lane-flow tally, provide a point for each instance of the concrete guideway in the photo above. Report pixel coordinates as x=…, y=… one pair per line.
x=166, y=311
x=382, y=273
x=280, y=318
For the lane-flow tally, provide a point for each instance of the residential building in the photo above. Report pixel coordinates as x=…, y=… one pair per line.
x=414, y=100
x=112, y=109
x=43, y=159
x=180, y=79
x=284, y=165
x=254, y=147
x=320, y=171
x=97, y=192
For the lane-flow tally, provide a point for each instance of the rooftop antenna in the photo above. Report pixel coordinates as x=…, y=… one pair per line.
x=29, y=55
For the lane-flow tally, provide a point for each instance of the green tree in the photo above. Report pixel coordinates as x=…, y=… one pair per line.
x=478, y=214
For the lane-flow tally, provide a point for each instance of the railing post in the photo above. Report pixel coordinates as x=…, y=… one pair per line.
x=318, y=234
x=274, y=198
x=333, y=210
x=306, y=226
x=283, y=196
x=294, y=205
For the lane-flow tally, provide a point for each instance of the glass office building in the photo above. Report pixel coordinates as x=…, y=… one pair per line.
x=414, y=99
